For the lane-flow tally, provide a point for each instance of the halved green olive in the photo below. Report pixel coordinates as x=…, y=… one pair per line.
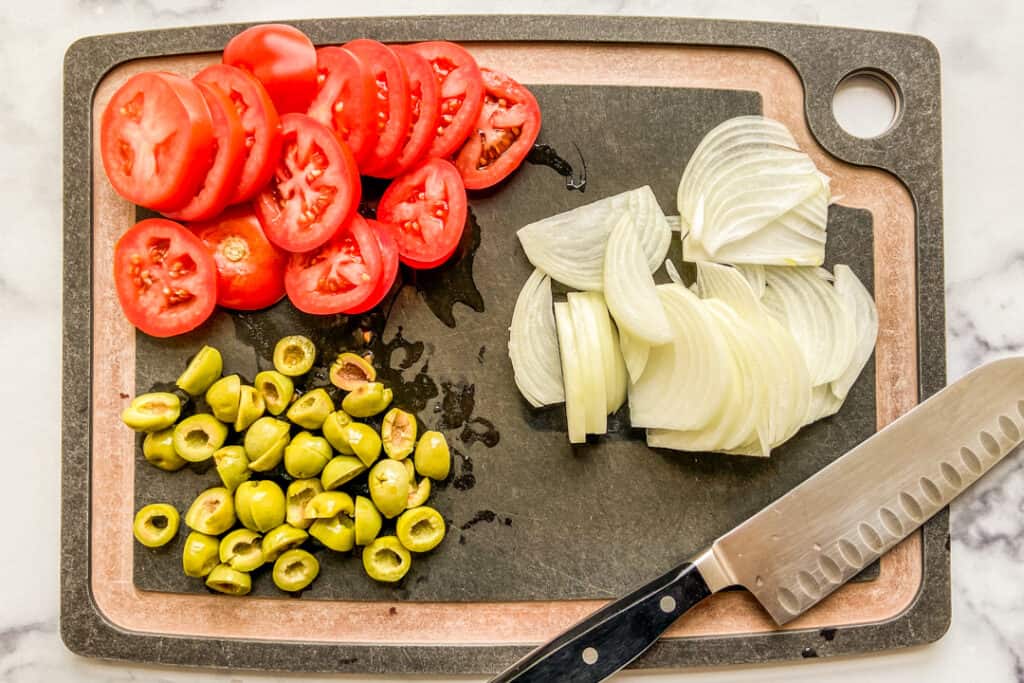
x=200, y=555
x=223, y=398
x=398, y=433
x=420, y=529
x=295, y=570
x=158, y=448
x=277, y=390
x=329, y=504
x=203, y=370
x=350, y=371
x=152, y=412
x=335, y=432
x=341, y=469
x=419, y=491
x=155, y=525
x=389, y=487
x=294, y=355
x=197, y=437
x=363, y=441
x=212, y=512
x=242, y=550
x=299, y=493
x=224, y=579
x=260, y=505
x=250, y=407
x=264, y=443
x=280, y=539
x=311, y=409
x=232, y=466
x=386, y=560
x=337, y=533
x=367, y=400
x=306, y=455
x=433, y=459
x=368, y=521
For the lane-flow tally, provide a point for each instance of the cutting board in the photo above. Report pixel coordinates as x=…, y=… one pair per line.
x=540, y=533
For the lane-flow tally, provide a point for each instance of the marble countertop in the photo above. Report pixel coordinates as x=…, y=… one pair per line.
x=982, y=108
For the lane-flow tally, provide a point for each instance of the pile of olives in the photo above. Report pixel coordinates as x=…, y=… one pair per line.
x=320, y=448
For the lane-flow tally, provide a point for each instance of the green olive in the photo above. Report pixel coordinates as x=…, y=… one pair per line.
x=295, y=570
x=155, y=525
x=152, y=412
x=282, y=538
x=224, y=579
x=294, y=355
x=306, y=455
x=311, y=409
x=363, y=441
x=329, y=504
x=367, y=400
x=420, y=529
x=242, y=550
x=212, y=512
x=337, y=533
x=260, y=505
x=197, y=437
x=398, y=433
x=418, y=492
x=203, y=370
x=223, y=398
x=250, y=407
x=232, y=466
x=368, y=521
x=265, y=441
x=158, y=447
x=200, y=555
x=386, y=560
x=299, y=493
x=389, y=487
x=432, y=456
x=277, y=390
x=341, y=469
x=350, y=371
x=334, y=431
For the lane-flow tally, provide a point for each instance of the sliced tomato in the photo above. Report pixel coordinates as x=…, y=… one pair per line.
x=345, y=100
x=388, y=268
x=427, y=206
x=424, y=108
x=250, y=270
x=282, y=58
x=156, y=138
x=338, y=276
x=315, y=187
x=391, y=102
x=166, y=279
x=228, y=159
x=462, y=93
x=505, y=131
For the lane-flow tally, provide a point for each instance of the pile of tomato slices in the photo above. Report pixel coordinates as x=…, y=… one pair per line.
x=257, y=164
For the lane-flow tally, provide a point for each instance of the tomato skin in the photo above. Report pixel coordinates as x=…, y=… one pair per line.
x=391, y=112
x=282, y=58
x=250, y=270
x=344, y=79
x=461, y=93
x=427, y=207
x=505, y=131
x=154, y=109
x=166, y=280
x=389, y=266
x=424, y=110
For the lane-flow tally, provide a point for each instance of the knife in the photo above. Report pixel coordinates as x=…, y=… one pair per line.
x=815, y=538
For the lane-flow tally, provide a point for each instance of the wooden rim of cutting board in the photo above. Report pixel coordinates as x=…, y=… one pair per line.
x=503, y=623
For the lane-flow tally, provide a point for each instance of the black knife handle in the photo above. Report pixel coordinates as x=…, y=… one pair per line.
x=615, y=635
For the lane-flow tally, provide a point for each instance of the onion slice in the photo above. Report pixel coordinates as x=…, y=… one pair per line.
x=629, y=287
x=588, y=349
x=635, y=353
x=860, y=307
x=616, y=378
x=572, y=371
x=533, y=344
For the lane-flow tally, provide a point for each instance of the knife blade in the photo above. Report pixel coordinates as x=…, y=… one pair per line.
x=812, y=540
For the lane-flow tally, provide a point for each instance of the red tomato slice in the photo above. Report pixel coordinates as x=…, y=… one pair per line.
x=315, y=187
x=250, y=270
x=388, y=270
x=284, y=60
x=156, y=138
x=260, y=120
x=427, y=206
x=339, y=275
x=345, y=100
x=166, y=280
x=505, y=132
x=391, y=102
x=228, y=159
x=424, y=109
x=462, y=93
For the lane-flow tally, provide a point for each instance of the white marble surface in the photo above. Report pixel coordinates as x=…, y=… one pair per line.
x=983, y=109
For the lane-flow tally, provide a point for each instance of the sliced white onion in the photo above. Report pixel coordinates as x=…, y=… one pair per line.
x=629, y=287
x=673, y=272
x=675, y=223
x=635, y=353
x=615, y=377
x=754, y=273
x=823, y=403
x=572, y=371
x=533, y=344
x=860, y=307
x=588, y=348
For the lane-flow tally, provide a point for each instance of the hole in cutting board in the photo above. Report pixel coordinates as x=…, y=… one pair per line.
x=866, y=104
